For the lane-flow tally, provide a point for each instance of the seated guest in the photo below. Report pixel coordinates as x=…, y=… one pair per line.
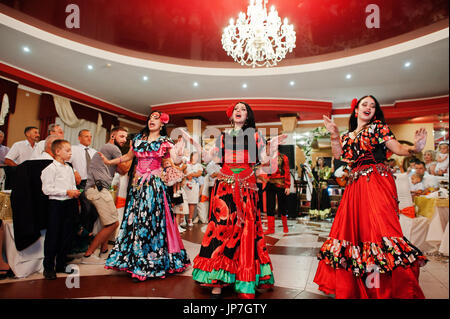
x=21, y=151
x=5, y=270
x=416, y=185
x=3, y=149
x=442, y=159
x=412, y=166
x=430, y=163
x=392, y=164
x=429, y=181
x=58, y=182
x=53, y=129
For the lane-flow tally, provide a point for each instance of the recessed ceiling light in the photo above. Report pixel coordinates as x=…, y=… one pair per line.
x=90, y=67
x=244, y=86
x=407, y=64
x=348, y=76
x=26, y=49
x=292, y=83
x=145, y=78
x=195, y=83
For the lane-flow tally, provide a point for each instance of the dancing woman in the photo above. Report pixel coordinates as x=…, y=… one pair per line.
x=366, y=255
x=148, y=243
x=233, y=251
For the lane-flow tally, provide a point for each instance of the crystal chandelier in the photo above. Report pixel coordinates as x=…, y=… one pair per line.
x=259, y=39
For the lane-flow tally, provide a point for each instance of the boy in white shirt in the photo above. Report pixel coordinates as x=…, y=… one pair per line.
x=58, y=182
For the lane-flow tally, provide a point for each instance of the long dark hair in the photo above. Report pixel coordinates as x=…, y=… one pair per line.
x=353, y=121
x=146, y=131
x=250, y=121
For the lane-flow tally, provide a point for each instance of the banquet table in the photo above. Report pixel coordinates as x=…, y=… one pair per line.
x=436, y=210
x=25, y=262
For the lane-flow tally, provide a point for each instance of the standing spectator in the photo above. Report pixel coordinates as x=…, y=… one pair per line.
x=53, y=129
x=58, y=182
x=278, y=188
x=21, y=151
x=3, y=149
x=47, y=154
x=193, y=172
x=98, y=192
x=82, y=155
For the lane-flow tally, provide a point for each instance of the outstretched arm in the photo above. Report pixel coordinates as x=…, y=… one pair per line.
x=420, y=139
x=121, y=159
x=336, y=147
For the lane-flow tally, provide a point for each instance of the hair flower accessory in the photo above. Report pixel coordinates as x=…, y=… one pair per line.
x=230, y=111
x=353, y=105
x=164, y=117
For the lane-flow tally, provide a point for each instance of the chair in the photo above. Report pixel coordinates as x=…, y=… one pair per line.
x=414, y=229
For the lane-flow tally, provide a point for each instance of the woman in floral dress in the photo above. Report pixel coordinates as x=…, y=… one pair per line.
x=366, y=255
x=233, y=251
x=149, y=244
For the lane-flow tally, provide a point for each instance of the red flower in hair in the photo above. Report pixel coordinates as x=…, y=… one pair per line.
x=230, y=111
x=353, y=105
x=164, y=117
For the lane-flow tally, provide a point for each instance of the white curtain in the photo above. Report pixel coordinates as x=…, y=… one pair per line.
x=71, y=133
x=4, y=109
x=72, y=125
x=65, y=111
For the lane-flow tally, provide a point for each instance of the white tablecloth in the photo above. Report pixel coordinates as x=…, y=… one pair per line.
x=436, y=236
x=25, y=262
x=443, y=249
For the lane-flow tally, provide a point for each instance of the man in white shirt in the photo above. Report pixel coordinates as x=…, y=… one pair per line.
x=428, y=181
x=47, y=153
x=53, y=129
x=81, y=159
x=21, y=151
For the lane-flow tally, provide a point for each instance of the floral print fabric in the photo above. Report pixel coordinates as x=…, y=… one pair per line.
x=141, y=247
x=375, y=135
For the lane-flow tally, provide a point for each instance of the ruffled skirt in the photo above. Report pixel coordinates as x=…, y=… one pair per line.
x=233, y=251
x=366, y=255
x=148, y=244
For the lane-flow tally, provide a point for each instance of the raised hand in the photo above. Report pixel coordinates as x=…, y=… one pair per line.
x=330, y=126
x=278, y=140
x=420, y=139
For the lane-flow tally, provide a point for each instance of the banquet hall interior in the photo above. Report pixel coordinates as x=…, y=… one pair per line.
x=101, y=64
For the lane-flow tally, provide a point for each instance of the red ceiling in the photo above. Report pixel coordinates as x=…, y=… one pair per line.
x=191, y=29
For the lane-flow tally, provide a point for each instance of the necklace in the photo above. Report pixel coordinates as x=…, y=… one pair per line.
x=356, y=132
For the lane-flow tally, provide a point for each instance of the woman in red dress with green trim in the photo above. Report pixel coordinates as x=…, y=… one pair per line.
x=233, y=251
x=366, y=254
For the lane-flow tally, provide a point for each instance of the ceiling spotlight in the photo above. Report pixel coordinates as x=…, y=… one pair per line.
x=26, y=49
x=291, y=83
x=407, y=64
x=195, y=83
x=145, y=78
x=348, y=76
x=244, y=86
x=90, y=67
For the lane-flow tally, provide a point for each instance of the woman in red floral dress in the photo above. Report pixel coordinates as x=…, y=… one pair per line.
x=233, y=251
x=366, y=255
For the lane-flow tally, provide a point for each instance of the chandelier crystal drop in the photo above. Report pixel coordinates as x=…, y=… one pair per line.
x=258, y=39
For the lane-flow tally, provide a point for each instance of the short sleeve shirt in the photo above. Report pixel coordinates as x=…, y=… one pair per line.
x=99, y=171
